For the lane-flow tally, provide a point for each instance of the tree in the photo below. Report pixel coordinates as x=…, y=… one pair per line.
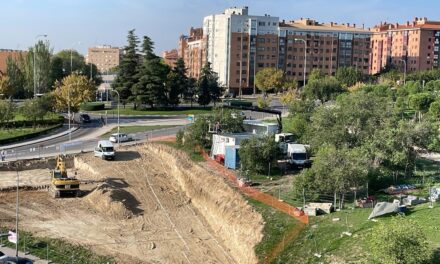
x=6, y=112
x=16, y=78
x=288, y=97
x=263, y=101
x=316, y=74
x=126, y=77
x=349, y=76
x=335, y=170
x=177, y=82
x=73, y=90
x=191, y=89
x=269, y=78
x=151, y=76
x=66, y=62
x=322, y=89
x=290, y=84
x=226, y=120
x=399, y=241
x=208, y=88
x=42, y=52
x=420, y=102
x=6, y=89
x=434, y=110
x=258, y=154
x=34, y=109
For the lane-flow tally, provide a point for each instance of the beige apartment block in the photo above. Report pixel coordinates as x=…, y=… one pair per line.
x=105, y=57
x=414, y=45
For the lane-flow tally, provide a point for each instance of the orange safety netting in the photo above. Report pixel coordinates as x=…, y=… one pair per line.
x=256, y=194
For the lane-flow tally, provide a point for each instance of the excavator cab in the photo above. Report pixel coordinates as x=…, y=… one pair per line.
x=61, y=185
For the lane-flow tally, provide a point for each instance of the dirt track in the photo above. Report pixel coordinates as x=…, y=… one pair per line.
x=140, y=215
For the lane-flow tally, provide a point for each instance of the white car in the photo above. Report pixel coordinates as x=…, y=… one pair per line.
x=122, y=138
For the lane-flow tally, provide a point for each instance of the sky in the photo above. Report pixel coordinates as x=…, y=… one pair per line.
x=80, y=24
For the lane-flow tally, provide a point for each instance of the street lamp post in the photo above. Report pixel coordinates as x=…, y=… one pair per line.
x=35, y=49
x=119, y=97
x=305, y=58
x=404, y=71
x=68, y=110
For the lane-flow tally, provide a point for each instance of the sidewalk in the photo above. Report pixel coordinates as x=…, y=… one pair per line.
x=31, y=142
x=11, y=252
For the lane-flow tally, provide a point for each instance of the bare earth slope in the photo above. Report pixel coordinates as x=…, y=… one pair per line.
x=154, y=207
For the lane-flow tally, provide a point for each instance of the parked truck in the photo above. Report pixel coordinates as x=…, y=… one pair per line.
x=283, y=139
x=298, y=156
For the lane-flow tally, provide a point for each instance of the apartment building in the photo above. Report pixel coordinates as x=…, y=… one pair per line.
x=414, y=45
x=238, y=45
x=5, y=54
x=328, y=47
x=170, y=57
x=192, y=48
x=105, y=57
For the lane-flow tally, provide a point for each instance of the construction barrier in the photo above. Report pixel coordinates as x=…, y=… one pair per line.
x=256, y=194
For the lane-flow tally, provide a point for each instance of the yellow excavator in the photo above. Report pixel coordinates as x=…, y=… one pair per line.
x=61, y=185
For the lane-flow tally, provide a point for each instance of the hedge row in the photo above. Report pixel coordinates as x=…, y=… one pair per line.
x=93, y=106
x=29, y=136
x=239, y=103
x=29, y=123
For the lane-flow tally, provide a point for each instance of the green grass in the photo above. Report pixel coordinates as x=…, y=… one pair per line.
x=134, y=129
x=131, y=111
x=323, y=235
x=277, y=224
x=48, y=116
x=16, y=132
x=59, y=250
x=195, y=156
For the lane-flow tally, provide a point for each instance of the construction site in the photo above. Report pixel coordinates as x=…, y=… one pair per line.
x=151, y=205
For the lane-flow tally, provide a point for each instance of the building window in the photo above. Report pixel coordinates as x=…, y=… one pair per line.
x=261, y=40
x=261, y=23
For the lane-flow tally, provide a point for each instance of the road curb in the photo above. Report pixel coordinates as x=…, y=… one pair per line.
x=38, y=140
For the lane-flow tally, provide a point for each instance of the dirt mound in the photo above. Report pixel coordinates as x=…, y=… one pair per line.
x=110, y=201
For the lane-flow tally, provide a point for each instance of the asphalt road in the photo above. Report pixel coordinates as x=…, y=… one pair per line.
x=86, y=137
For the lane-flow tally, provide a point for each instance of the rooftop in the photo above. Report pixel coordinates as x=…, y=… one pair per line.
x=310, y=24
x=422, y=23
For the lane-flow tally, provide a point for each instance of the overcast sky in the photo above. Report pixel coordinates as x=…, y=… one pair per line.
x=84, y=23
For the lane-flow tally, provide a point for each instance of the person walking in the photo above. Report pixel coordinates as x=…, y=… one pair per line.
x=3, y=155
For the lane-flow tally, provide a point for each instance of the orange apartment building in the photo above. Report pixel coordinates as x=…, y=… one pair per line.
x=170, y=57
x=239, y=45
x=5, y=54
x=414, y=45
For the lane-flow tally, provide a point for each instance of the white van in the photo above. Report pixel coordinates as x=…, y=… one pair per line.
x=105, y=150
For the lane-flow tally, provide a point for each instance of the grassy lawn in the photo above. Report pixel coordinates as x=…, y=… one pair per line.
x=324, y=236
x=59, y=250
x=131, y=111
x=277, y=225
x=134, y=129
x=48, y=116
x=193, y=155
x=16, y=132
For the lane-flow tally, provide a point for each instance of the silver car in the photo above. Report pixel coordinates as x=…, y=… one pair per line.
x=122, y=138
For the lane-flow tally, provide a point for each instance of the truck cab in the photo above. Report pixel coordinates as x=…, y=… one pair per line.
x=298, y=156
x=283, y=139
x=105, y=150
